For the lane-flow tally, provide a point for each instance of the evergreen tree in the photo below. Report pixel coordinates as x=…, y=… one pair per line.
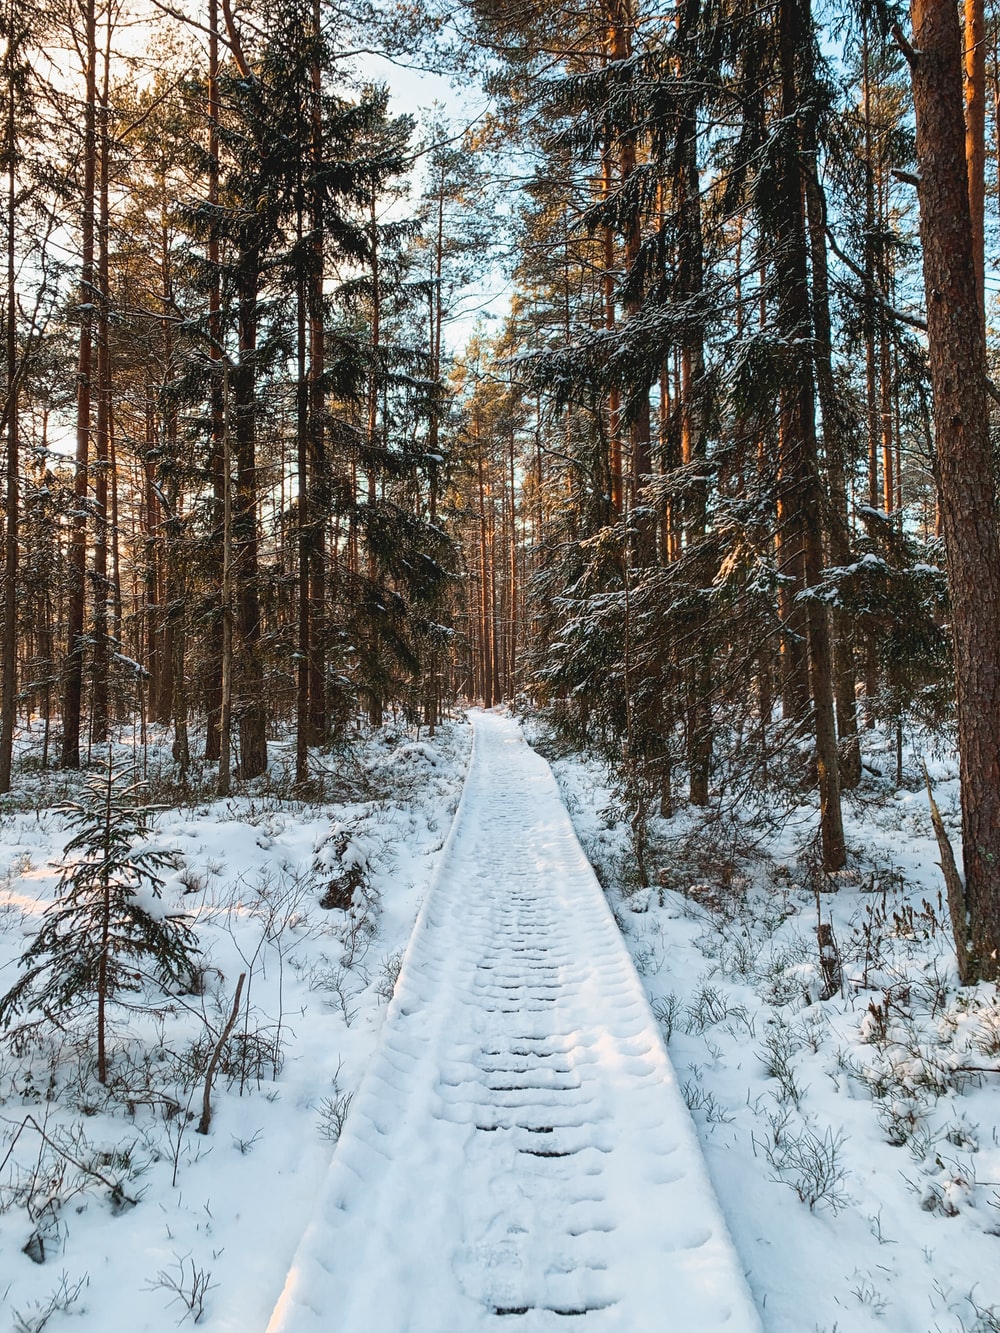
x=104, y=935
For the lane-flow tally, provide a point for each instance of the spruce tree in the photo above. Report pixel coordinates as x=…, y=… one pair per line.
x=103, y=936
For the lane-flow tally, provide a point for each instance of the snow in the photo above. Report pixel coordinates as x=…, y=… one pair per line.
x=831, y=1163
x=519, y=1145
x=857, y=1165
x=230, y=1206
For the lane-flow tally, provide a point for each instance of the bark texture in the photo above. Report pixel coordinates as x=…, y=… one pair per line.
x=965, y=470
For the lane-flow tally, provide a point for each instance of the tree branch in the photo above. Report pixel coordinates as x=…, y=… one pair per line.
x=901, y=40
x=206, y=1102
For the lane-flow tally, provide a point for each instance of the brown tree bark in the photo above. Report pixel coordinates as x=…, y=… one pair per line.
x=101, y=661
x=77, y=593
x=616, y=498
x=213, y=701
x=965, y=469
x=303, y=520
x=691, y=266
x=975, y=137
x=871, y=369
x=8, y=664
x=151, y=542
x=375, y=700
x=801, y=491
x=8, y=691
x=835, y=436
x=318, y=489
x=249, y=674
x=485, y=588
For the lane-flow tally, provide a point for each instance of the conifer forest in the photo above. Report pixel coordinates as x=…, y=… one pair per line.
x=628, y=370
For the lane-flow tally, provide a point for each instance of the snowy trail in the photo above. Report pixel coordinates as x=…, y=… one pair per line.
x=518, y=1157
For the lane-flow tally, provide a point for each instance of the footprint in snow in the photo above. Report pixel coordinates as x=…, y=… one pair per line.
x=492, y=1273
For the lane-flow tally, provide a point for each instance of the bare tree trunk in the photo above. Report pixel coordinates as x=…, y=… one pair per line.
x=615, y=499
x=304, y=519
x=835, y=434
x=76, y=609
x=252, y=710
x=486, y=609
x=101, y=657
x=114, y=533
x=493, y=628
x=885, y=413
x=151, y=509
x=226, y=664
x=975, y=137
x=176, y=610
x=965, y=468
x=691, y=273
x=514, y=581
x=8, y=697
x=871, y=370
x=799, y=452
x=376, y=701
x=318, y=488
x=215, y=629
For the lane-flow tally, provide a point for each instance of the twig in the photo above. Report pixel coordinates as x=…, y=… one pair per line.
x=113, y=1185
x=13, y=1143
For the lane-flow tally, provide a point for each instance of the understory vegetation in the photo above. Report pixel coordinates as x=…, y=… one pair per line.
x=226, y=1077
x=831, y=1059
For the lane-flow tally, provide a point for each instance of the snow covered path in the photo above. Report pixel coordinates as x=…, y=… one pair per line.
x=518, y=1157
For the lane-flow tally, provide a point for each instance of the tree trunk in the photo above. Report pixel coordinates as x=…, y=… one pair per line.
x=614, y=501
x=215, y=629
x=965, y=469
x=304, y=518
x=975, y=137
x=871, y=382
x=8, y=698
x=318, y=489
x=226, y=663
x=485, y=608
x=77, y=572
x=802, y=496
x=101, y=656
x=835, y=441
x=152, y=546
x=252, y=711
x=691, y=274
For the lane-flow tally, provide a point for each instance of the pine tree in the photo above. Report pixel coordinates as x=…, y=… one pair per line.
x=966, y=474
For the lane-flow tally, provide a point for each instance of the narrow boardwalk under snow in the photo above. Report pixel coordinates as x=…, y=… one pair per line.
x=518, y=1157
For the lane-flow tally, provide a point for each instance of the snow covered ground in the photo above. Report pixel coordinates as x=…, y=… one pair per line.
x=853, y=1140
x=142, y=1222
x=519, y=1146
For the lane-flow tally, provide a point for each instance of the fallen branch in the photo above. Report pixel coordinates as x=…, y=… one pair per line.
x=952, y=880
x=206, y=1101
x=117, y=1193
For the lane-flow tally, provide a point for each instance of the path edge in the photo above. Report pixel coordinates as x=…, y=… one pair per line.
x=287, y=1303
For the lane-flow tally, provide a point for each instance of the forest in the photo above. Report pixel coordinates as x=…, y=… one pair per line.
x=638, y=382
x=716, y=488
